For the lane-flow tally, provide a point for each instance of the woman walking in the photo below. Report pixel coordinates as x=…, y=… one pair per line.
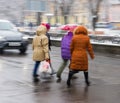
x=40, y=49
x=65, y=51
x=47, y=25
x=79, y=47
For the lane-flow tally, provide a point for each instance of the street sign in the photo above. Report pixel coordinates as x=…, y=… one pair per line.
x=36, y=5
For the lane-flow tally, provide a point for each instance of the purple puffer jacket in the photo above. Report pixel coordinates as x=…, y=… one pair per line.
x=65, y=45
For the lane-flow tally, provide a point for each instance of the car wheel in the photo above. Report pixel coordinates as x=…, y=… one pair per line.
x=22, y=51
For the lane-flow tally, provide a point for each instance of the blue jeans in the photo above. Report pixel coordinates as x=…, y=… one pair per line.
x=36, y=66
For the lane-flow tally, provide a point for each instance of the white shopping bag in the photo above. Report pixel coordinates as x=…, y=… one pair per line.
x=45, y=67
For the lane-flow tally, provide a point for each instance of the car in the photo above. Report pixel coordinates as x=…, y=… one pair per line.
x=106, y=25
x=116, y=40
x=11, y=38
x=103, y=27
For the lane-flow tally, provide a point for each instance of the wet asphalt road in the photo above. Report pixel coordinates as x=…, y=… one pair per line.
x=16, y=85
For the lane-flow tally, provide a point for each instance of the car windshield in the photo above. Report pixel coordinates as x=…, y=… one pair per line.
x=6, y=26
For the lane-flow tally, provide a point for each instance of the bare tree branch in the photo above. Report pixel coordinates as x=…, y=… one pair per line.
x=65, y=7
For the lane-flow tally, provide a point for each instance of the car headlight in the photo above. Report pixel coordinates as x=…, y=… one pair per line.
x=2, y=38
x=25, y=37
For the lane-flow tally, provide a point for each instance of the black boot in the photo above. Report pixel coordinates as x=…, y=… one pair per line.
x=69, y=78
x=35, y=78
x=86, y=78
x=71, y=73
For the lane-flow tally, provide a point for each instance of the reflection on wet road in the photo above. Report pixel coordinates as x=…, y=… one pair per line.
x=16, y=85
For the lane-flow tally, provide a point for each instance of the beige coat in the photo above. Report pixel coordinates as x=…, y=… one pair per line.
x=40, y=45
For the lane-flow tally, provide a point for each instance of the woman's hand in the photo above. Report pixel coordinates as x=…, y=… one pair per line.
x=48, y=60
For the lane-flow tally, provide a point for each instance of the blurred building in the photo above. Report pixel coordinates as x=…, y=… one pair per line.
x=114, y=11
x=110, y=12
x=79, y=12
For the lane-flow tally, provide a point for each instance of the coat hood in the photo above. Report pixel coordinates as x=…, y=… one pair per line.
x=41, y=30
x=80, y=30
x=70, y=33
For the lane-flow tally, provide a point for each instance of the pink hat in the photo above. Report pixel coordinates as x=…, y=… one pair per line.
x=47, y=25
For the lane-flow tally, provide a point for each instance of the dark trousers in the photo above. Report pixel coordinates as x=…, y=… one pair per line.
x=36, y=66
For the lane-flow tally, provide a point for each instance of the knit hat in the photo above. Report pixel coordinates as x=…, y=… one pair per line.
x=47, y=25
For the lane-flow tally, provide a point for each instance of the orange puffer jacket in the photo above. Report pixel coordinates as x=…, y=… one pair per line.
x=80, y=45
